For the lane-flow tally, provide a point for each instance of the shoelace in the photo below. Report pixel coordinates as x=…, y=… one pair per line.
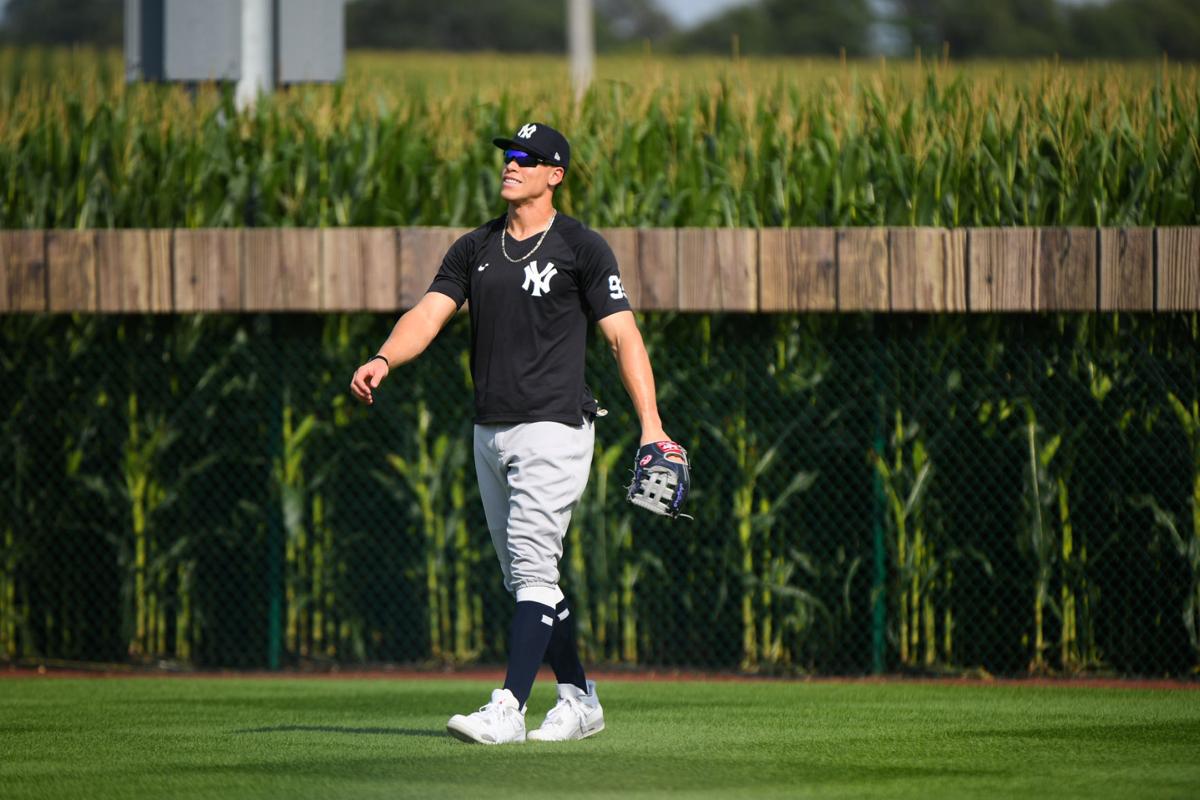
x=565, y=702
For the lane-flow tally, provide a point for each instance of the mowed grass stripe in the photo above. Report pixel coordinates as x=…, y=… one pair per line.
x=365, y=738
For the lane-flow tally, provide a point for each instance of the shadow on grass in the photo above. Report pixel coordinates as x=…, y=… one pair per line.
x=342, y=729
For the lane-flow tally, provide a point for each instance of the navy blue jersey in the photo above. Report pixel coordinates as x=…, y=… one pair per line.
x=530, y=319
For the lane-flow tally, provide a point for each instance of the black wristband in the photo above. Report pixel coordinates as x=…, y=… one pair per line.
x=382, y=358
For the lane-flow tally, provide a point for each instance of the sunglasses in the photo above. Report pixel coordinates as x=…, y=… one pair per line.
x=522, y=158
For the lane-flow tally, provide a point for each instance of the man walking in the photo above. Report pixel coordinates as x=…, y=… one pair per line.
x=535, y=280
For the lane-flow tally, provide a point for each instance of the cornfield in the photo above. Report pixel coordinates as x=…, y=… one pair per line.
x=930, y=494
x=406, y=141
x=1014, y=494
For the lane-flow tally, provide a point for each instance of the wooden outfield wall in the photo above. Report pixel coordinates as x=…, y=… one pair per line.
x=686, y=269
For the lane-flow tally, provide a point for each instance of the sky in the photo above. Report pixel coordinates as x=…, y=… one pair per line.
x=689, y=12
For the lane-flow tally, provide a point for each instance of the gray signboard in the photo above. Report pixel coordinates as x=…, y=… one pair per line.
x=191, y=41
x=311, y=39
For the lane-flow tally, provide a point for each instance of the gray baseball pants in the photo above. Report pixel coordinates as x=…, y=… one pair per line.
x=531, y=475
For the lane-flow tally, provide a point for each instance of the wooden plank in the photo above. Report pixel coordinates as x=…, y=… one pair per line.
x=300, y=256
x=262, y=278
x=71, y=270
x=381, y=261
x=1126, y=269
x=718, y=269
x=121, y=259
x=737, y=251
x=133, y=270
x=658, y=269
x=22, y=271
x=862, y=269
x=1065, y=270
x=1178, y=253
x=421, y=253
x=797, y=269
x=954, y=250
x=280, y=269
x=359, y=269
x=699, y=285
x=1001, y=268
x=160, y=243
x=623, y=242
x=207, y=270
x=926, y=269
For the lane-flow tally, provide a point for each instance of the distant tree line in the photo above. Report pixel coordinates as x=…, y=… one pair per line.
x=1116, y=29
x=523, y=26
x=463, y=25
x=98, y=22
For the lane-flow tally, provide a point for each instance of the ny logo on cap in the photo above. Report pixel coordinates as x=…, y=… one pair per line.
x=527, y=131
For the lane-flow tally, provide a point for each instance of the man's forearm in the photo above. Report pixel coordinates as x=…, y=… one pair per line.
x=638, y=377
x=408, y=339
x=416, y=329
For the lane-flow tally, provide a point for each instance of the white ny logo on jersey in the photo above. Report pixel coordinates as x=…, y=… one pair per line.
x=527, y=131
x=537, y=281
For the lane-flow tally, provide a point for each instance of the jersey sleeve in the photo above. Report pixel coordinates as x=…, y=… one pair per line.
x=600, y=276
x=453, y=278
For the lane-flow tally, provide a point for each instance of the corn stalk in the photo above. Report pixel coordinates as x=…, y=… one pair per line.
x=10, y=612
x=768, y=602
x=426, y=480
x=156, y=554
x=1187, y=545
x=599, y=545
x=906, y=483
x=13, y=613
x=1048, y=536
x=145, y=444
x=1185, y=534
x=468, y=606
x=293, y=488
x=755, y=512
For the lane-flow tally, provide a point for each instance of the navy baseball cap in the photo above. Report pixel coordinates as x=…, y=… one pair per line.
x=541, y=140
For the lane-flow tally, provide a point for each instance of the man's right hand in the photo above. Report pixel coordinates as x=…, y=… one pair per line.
x=368, y=377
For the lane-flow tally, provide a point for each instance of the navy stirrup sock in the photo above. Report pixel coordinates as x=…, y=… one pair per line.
x=562, y=655
x=532, y=626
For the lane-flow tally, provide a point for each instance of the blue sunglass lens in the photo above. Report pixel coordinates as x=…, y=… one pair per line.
x=522, y=158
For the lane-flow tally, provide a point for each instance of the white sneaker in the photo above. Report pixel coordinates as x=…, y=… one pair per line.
x=499, y=722
x=577, y=715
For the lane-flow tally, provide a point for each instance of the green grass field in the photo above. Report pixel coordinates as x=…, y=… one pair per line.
x=257, y=737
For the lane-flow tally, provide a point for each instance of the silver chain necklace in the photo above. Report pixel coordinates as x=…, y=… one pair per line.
x=504, y=236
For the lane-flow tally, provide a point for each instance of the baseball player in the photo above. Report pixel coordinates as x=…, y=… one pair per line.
x=535, y=280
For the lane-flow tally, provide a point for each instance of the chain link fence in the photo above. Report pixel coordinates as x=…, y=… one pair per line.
x=898, y=493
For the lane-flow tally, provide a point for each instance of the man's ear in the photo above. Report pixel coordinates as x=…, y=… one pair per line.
x=556, y=177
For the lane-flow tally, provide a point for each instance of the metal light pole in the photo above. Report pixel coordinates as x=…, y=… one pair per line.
x=581, y=43
x=258, y=67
